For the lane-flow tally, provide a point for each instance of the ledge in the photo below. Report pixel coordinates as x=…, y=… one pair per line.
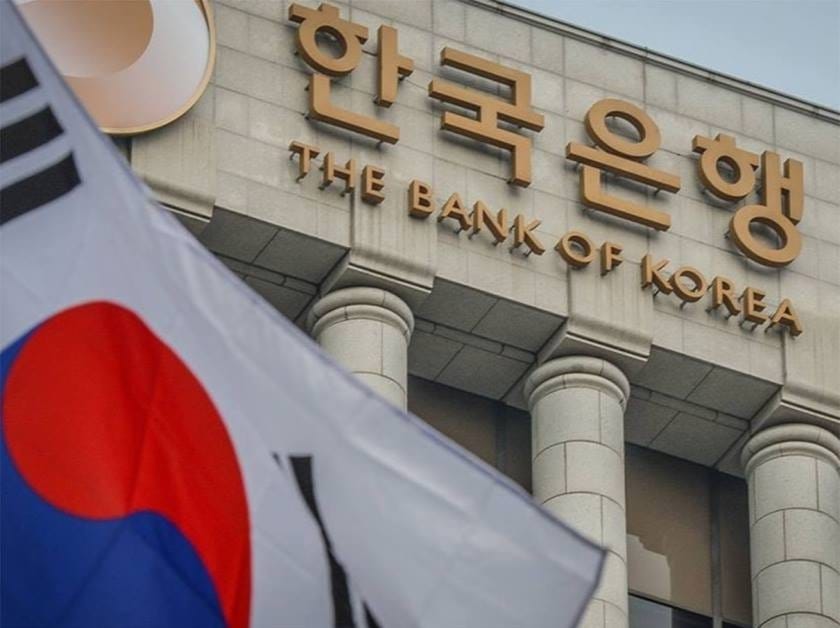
x=672, y=63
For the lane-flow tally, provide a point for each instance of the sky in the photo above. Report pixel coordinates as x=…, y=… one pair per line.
x=792, y=46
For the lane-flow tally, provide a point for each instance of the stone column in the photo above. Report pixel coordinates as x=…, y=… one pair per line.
x=577, y=412
x=793, y=475
x=366, y=330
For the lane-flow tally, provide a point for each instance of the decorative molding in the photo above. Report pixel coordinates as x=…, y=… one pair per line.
x=361, y=303
x=790, y=439
x=578, y=371
x=809, y=393
x=662, y=60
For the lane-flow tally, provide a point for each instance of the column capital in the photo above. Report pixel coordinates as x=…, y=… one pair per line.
x=361, y=302
x=576, y=371
x=788, y=439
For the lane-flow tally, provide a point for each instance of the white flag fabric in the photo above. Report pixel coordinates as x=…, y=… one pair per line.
x=175, y=453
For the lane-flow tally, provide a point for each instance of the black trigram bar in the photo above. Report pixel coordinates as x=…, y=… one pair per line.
x=28, y=134
x=18, y=138
x=302, y=467
x=38, y=189
x=15, y=79
x=371, y=620
x=343, y=608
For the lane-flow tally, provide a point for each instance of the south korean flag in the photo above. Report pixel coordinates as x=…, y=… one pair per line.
x=176, y=454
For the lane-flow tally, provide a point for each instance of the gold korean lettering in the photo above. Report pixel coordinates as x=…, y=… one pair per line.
x=484, y=127
x=393, y=67
x=782, y=196
x=623, y=157
x=350, y=37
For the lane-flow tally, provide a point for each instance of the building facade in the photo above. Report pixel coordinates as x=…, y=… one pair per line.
x=611, y=275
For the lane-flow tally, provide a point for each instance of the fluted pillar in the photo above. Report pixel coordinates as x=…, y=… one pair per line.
x=577, y=424
x=793, y=475
x=367, y=330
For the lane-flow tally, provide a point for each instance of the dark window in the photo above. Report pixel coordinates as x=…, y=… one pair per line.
x=647, y=614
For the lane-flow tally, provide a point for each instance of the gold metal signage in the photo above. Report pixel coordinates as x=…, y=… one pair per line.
x=781, y=196
x=688, y=284
x=350, y=37
x=394, y=67
x=728, y=172
x=622, y=157
x=135, y=66
x=484, y=127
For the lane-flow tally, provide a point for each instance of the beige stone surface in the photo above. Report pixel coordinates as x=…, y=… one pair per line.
x=178, y=162
x=577, y=407
x=794, y=536
x=487, y=314
x=260, y=99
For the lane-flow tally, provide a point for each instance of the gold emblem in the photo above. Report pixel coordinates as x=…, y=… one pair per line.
x=136, y=65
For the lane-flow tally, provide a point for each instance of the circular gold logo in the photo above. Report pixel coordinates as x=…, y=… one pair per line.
x=136, y=65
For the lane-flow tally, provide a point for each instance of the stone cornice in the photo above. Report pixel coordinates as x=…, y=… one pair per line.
x=649, y=56
x=809, y=393
x=609, y=317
